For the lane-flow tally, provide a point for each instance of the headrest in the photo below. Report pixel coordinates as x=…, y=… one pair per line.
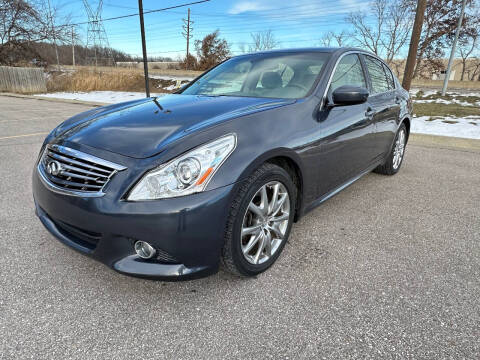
x=271, y=80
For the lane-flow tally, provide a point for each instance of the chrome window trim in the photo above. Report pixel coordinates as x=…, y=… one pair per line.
x=358, y=52
x=57, y=189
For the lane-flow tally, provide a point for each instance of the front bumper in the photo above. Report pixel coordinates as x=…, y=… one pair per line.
x=186, y=231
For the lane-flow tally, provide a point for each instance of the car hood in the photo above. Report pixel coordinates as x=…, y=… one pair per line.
x=143, y=128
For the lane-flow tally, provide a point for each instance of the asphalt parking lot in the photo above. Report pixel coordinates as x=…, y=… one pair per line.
x=389, y=268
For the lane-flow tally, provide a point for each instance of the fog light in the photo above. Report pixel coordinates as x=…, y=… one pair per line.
x=144, y=250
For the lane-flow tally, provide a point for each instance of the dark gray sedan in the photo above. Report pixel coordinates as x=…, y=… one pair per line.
x=170, y=187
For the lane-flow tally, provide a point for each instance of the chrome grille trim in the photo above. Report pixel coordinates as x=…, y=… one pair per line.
x=80, y=174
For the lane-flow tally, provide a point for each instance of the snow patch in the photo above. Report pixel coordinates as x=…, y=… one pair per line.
x=109, y=97
x=443, y=101
x=467, y=127
x=171, y=77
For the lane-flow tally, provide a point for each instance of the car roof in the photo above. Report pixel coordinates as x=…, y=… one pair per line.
x=331, y=50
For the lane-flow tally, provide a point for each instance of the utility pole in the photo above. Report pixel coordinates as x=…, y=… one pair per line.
x=412, y=51
x=73, y=47
x=187, y=30
x=144, y=48
x=53, y=34
x=454, y=46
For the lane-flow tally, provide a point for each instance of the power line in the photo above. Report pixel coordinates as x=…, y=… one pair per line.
x=145, y=12
x=251, y=27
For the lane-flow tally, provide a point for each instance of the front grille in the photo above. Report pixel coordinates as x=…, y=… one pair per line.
x=73, y=171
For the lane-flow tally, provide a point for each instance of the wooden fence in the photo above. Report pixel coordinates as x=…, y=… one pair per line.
x=22, y=80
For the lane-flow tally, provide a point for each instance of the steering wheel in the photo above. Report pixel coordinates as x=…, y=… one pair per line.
x=297, y=86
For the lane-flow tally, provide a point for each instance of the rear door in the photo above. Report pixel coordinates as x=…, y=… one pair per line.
x=347, y=131
x=384, y=103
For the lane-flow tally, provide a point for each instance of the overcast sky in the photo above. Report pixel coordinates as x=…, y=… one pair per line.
x=298, y=23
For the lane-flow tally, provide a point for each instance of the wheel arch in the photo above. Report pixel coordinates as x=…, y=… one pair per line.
x=407, y=122
x=291, y=163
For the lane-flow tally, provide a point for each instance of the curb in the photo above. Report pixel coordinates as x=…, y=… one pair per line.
x=445, y=142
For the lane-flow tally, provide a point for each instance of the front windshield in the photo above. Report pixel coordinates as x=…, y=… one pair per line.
x=275, y=75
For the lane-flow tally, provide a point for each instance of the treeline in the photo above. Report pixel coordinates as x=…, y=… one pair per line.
x=43, y=54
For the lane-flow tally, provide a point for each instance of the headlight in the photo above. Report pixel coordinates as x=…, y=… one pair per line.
x=186, y=174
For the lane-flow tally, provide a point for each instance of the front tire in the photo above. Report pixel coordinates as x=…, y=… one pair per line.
x=395, y=158
x=259, y=223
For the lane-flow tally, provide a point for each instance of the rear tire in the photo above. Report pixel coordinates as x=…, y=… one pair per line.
x=259, y=222
x=397, y=154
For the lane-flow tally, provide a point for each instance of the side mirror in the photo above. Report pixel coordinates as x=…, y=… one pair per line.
x=349, y=95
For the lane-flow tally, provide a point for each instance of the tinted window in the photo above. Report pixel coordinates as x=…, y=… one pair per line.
x=284, y=71
x=391, y=82
x=278, y=75
x=348, y=72
x=377, y=75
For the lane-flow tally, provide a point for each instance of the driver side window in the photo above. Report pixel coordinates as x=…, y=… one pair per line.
x=349, y=71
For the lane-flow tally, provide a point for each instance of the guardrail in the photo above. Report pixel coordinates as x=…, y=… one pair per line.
x=22, y=80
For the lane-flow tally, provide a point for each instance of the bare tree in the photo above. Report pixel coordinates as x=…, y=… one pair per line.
x=263, y=40
x=466, y=49
x=392, y=22
x=332, y=39
x=398, y=66
x=474, y=69
x=468, y=44
x=242, y=48
x=23, y=23
x=440, y=22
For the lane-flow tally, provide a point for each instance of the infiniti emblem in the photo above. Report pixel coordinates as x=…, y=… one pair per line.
x=54, y=168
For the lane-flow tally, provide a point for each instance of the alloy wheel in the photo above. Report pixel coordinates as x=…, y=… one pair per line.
x=265, y=222
x=399, y=149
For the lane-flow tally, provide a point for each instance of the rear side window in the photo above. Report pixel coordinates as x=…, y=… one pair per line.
x=391, y=82
x=348, y=72
x=377, y=75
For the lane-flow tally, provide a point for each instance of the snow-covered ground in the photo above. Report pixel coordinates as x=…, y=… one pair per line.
x=467, y=127
x=426, y=93
x=171, y=77
x=109, y=97
x=447, y=102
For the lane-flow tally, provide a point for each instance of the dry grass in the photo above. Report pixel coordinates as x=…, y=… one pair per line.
x=90, y=80
x=434, y=110
x=95, y=80
x=172, y=72
x=438, y=84
x=469, y=99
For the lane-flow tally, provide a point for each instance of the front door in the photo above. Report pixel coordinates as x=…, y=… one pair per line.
x=347, y=147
